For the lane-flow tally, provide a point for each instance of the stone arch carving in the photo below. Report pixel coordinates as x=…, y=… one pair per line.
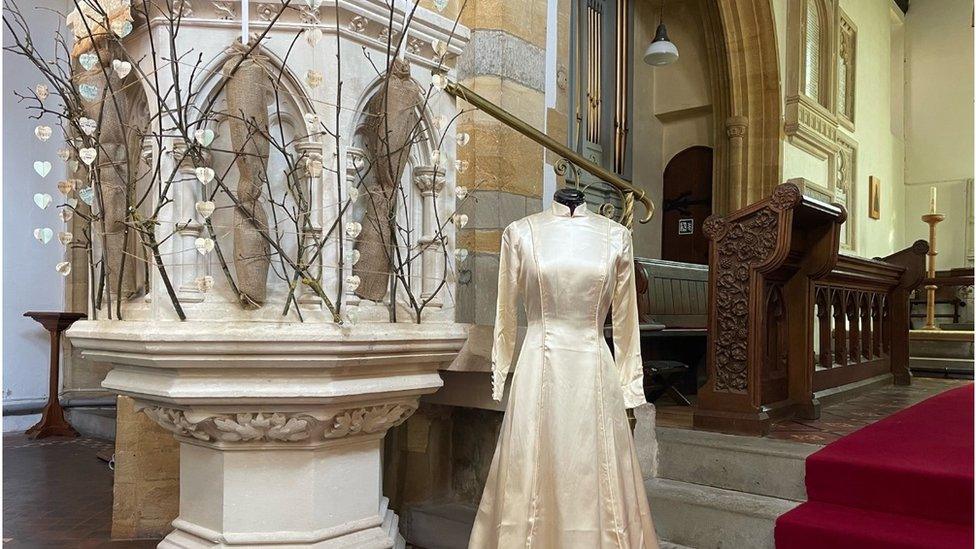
x=743, y=63
x=254, y=285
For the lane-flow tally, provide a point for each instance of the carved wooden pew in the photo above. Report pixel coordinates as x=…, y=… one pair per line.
x=789, y=316
x=672, y=302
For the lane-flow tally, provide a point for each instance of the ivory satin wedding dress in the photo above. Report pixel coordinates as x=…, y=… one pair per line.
x=565, y=473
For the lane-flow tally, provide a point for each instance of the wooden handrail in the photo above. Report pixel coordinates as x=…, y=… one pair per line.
x=626, y=188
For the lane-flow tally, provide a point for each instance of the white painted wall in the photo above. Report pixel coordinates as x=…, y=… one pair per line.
x=939, y=121
x=29, y=279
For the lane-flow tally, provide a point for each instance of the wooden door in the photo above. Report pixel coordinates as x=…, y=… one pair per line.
x=687, y=202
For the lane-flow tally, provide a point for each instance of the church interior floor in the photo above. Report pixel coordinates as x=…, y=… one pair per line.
x=837, y=419
x=58, y=493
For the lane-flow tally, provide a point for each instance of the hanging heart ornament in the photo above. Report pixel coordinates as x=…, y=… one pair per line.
x=65, y=186
x=65, y=237
x=353, y=282
x=205, y=208
x=87, y=195
x=87, y=125
x=313, y=78
x=42, y=168
x=204, y=245
x=64, y=268
x=42, y=91
x=88, y=60
x=313, y=36
x=42, y=200
x=204, y=136
x=353, y=228
x=89, y=92
x=204, y=174
x=43, y=235
x=121, y=68
x=43, y=132
x=87, y=155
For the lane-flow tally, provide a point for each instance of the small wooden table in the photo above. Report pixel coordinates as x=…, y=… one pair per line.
x=52, y=421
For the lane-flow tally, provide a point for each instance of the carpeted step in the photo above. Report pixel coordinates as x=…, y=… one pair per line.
x=918, y=462
x=816, y=525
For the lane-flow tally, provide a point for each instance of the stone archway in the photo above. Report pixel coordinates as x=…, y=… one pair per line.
x=740, y=38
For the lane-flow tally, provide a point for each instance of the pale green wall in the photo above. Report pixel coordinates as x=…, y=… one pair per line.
x=880, y=150
x=939, y=121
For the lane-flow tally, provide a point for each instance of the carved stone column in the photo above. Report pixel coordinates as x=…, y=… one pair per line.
x=189, y=226
x=734, y=196
x=355, y=166
x=311, y=167
x=430, y=182
x=280, y=427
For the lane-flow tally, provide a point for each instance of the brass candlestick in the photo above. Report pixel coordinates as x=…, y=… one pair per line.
x=932, y=219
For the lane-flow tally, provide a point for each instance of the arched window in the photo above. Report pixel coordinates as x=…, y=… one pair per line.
x=813, y=50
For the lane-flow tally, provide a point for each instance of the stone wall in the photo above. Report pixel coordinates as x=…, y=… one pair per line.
x=147, y=476
x=505, y=63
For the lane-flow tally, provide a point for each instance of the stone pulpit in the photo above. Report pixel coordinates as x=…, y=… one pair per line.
x=236, y=292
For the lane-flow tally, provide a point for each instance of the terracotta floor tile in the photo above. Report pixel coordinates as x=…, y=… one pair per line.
x=57, y=494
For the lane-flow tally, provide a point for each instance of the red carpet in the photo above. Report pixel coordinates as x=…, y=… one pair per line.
x=905, y=482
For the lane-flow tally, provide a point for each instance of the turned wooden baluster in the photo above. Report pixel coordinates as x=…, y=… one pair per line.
x=879, y=328
x=853, y=331
x=866, y=298
x=840, y=329
x=825, y=358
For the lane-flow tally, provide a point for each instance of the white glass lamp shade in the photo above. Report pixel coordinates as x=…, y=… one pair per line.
x=661, y=51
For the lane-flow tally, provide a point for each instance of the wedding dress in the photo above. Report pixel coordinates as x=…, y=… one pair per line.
x=565, y=473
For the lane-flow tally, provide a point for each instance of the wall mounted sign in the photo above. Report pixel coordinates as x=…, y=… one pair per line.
x=686, y=226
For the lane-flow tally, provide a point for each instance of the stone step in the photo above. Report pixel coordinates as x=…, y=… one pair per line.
x=939, y=348
x=93, y=421
x=706, y=517
x=438, y=525
x=942, y=367
x=753, y=465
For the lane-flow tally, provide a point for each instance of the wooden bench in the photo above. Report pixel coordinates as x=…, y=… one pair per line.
x=672, y=302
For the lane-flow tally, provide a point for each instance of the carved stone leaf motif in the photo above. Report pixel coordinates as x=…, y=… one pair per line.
x=742, y=245
x=224, y=9
x=368, y=420
x=278, y=426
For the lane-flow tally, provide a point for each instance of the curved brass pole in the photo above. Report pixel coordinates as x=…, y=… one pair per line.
x=462, y=92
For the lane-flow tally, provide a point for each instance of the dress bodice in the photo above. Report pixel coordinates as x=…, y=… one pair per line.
x=569, y=269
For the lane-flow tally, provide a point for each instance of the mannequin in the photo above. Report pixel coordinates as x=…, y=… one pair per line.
x=565, y=477
x=571, y=198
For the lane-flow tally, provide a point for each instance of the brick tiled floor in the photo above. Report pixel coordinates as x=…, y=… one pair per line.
x=57, y=493
x=836, y=420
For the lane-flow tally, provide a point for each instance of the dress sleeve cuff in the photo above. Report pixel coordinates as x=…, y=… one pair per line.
x=634, y=393
x=498, y=385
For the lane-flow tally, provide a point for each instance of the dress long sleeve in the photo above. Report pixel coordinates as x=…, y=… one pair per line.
x=626, y=331
x=506, y=313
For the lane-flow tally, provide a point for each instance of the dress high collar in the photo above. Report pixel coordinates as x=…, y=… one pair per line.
x=562, y=210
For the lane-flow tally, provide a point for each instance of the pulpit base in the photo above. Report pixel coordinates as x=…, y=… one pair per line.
x=263, y=496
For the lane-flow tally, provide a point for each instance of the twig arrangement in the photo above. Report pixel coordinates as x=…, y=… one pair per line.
x=144, y=120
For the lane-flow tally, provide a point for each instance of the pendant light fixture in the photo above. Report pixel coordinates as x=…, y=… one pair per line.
x=661, y=50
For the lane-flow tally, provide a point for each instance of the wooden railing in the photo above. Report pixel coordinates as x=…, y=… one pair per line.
x=790, y=317
x=855, y=325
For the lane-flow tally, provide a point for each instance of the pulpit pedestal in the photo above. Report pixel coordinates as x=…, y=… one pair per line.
x=280, y=425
